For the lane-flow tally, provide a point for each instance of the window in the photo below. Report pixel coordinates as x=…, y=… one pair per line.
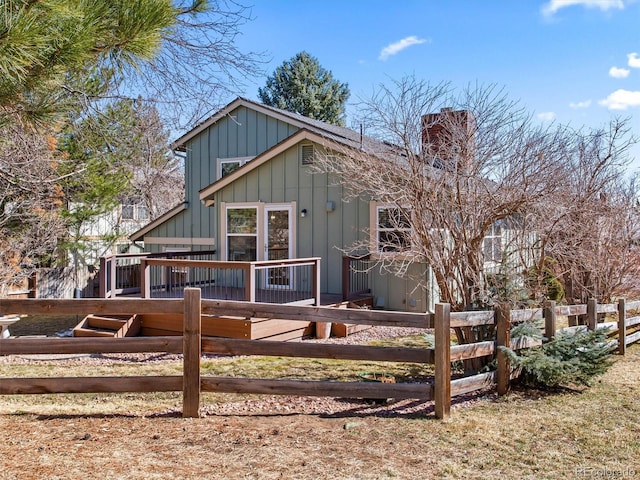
x=227, y=166
x=306, y=154
x=393, y=229
x=242, y=234
x=134, y=212
x=492, y=244
x=143, y=212
x=128, y=212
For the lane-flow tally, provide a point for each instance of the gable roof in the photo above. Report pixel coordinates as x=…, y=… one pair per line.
x=301, y=135
x=340, y=134
x=311, y=130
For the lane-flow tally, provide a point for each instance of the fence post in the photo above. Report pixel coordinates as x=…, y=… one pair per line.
x=503, y=339
x=592, y=314
x=550, y=320
x=145, y=279
x=442, y=360
x=191, y=349
x=622, y=326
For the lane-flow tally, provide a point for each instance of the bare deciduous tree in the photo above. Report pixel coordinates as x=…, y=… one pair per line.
x=480, y=164
x=589, y=227
x=30, y=224
x=199, y=63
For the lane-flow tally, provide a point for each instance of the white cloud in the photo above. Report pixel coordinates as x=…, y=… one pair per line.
x=621, y=100
x=397, y=47
x=554, y=5
x=583, y=104
x=546, y=116
x=633, y=60
x=616, y=72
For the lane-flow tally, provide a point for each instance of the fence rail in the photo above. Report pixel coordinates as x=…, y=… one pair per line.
x=192, y=344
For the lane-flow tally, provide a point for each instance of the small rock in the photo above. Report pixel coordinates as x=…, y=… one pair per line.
x=351, y=425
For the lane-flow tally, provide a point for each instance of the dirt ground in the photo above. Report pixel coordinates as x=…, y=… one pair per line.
x=592, y=433
x=352, y=443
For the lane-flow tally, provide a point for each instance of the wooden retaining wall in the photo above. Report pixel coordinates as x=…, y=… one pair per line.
x=192, y=344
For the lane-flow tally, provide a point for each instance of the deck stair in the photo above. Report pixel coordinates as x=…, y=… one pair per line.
x=115, y=326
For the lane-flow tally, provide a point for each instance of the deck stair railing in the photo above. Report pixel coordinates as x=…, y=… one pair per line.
x=355, y=276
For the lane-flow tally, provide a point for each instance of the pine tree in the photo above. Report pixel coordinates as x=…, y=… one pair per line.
x=44, y=41
x=571, y=358
x=301, y=85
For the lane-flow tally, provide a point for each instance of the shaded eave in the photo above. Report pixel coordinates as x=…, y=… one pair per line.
x=139, y=235
x=207, y=193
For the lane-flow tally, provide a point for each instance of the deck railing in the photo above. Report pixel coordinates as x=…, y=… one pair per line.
x=295, y=280
x=120, y=273
x=167, y=274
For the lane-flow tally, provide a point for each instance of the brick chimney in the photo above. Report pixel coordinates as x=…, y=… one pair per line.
x=448, y=139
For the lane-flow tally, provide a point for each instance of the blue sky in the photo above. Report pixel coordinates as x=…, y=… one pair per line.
x=570, y=61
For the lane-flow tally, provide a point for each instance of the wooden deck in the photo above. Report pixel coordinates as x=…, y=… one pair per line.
x=252, y=328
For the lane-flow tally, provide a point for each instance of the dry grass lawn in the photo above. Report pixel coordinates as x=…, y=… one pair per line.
x=590, y=434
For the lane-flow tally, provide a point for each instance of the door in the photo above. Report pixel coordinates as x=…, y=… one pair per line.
x=278, y=245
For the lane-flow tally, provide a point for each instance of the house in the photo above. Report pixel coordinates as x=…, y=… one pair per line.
x=108, y=232
x=251, y=194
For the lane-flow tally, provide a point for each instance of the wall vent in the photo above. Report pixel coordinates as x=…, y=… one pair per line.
x=307, y=153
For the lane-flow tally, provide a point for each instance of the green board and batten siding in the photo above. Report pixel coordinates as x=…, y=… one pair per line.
x=320, y=233
x=242, y=133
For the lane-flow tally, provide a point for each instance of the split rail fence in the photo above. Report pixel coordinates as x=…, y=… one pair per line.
x=192, y=344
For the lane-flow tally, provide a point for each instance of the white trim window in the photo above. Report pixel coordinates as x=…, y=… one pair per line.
x=135, y=213
x=393, y=230
x=492, y=244
x=226, y=166
x=242, y=233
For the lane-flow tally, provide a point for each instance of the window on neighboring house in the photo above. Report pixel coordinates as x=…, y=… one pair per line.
x=306, y=154
x=134, y=212
x=143, y=212
x=242, y=234
x=393, y=229
x=227, y=166
x=128, y=212
x=492, y=244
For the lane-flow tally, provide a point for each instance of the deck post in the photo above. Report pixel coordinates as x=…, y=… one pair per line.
x=592, y=314
x=145, y=279
x=316, y=281
x=622, y=326
x=191, y=345
x=442, y=360
x=550, y=320
x=250, y=282
x=103, y=277
x=503, y=339
x=114, y=272
x=346, y=267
